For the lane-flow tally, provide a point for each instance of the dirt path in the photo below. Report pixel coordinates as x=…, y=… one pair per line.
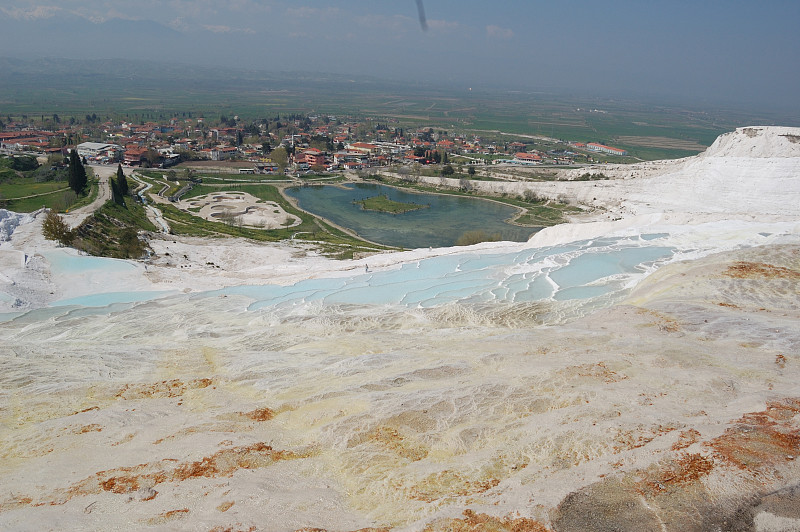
x=76, y=217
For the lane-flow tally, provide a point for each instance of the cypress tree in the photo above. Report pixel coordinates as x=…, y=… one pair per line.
x=122, y=181
x=72, y=173
x=83, y=181
x=116, y=194
x=77, y=173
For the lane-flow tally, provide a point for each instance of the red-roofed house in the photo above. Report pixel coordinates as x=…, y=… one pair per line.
x=134, y=156
x=527, y=158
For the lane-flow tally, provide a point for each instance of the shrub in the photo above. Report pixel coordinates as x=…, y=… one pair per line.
x=592, y=177
x=55, y=228
x=24, y=163
x=530, y=196
x=130, y=244
x=64, y=200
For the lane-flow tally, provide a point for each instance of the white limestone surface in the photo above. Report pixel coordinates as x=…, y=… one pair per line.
x=673, y=406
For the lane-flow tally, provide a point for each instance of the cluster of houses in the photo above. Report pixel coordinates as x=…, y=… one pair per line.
x=349, y=144
x=29, y=139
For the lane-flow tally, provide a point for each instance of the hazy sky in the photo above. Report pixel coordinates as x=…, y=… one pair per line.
x=700, y=51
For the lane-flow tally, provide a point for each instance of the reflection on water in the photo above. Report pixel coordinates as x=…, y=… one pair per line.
x=439, y=225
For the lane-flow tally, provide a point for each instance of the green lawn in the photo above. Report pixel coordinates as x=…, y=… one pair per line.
x=244, y=178
x=21, y=187
x=56, y=195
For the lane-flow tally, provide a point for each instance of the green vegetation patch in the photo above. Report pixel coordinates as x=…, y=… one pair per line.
x=382, y=203
x=22, y=187
x=592, y=177
x=330, y=240
x=59, y=200
x=112, y=231
x=19, y=163
x=243, y=178
x=91, y=192
x=476, y=237
x=26, y=187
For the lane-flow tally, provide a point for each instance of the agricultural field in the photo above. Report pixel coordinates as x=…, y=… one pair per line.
x=109, y=91
x=661, y=142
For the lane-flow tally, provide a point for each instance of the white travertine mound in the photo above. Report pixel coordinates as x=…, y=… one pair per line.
x=750, y=174
x=757, y=141
x=747, y=174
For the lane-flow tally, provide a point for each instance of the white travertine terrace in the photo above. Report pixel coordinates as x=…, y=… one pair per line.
x=673, y=405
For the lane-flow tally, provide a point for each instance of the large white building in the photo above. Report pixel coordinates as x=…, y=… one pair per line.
x=93, y=149
x=605, y=149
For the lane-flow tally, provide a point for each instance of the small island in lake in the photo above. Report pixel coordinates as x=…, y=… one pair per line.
x=382, y=203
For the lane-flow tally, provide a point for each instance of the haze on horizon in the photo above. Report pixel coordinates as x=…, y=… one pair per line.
x=717, y=52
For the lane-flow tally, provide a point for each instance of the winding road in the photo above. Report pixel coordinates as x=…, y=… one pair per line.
x=104, y=173
x=76, y=217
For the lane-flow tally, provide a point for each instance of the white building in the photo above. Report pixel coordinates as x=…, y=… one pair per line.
x=93, y=149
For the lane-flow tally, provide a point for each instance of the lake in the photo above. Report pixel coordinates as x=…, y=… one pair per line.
x=439, y=225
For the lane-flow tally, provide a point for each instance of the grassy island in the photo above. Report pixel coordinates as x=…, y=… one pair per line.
x=382, y=203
